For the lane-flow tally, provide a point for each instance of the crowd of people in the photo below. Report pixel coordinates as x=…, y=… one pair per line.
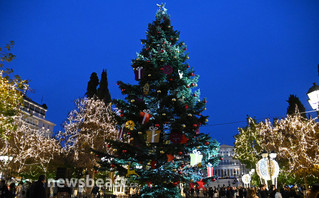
x=38, y=190
x=253, y=192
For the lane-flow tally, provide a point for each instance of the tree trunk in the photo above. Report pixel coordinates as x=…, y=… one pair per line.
x=306, y=185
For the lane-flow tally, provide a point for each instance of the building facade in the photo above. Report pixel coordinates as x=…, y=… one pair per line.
x=34, y=116
x=228, y=167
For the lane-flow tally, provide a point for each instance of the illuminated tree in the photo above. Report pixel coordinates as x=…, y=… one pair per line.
x=296, y=139
x=30, y=148
x=88, y=127
x=248, y=143
x=160, y=118
x=11, y=91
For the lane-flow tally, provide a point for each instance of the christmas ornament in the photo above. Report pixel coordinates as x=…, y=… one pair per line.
x=159, y=91
x=180, y=73
x=173, y=99
x=153, y=164
x=149, y=75
x=132, y=100
x=176, y=137
x=146, y=89
x=201, y=184
x=130, y=172
x=130, y=125
x=184, y=139
x=138, y=73
x=167, y=69
x=145, y=115
x=153, y=135
x=170, y=157
x=210, y=171
x=121, y=132
x=196, y=158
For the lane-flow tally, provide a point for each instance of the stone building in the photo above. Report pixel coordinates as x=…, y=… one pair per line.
x=34, y=116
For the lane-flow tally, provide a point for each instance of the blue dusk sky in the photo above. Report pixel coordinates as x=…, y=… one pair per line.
x=250, y=55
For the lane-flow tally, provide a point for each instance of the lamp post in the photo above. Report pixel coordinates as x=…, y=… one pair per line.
x=313, y=95
x=5, y=159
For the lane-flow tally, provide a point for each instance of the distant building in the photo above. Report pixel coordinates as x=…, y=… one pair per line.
x=228, y=167
x=34, y=115
x=229, y=170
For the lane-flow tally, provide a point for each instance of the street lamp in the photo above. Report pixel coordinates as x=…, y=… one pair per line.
x=267, y=168
x=313, y=94
x=6, y=160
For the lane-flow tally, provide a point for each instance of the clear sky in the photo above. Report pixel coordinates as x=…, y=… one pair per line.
x=250, y=55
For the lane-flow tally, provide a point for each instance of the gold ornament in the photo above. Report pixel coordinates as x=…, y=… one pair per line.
x=114, y=150
x=159, y=91
x=173, y=99
x=162, y=60
x=205, y=108
x=169, y=26
x=206, y=120
x=183, y=125
x=137, y=59
x=162, y=152
x=130, y=125
x=175, y=57
x=190, y=115
x=132, y=100
x=140, y=132
x=146, y=88
x=198, y=147
x=131, y=139
x=163, y=114
x=149, y=75
x=177, y=39
x=187, y=57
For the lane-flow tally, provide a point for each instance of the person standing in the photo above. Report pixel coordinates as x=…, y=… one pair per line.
x=38, y=188
x=278, y=194
x=12, y=191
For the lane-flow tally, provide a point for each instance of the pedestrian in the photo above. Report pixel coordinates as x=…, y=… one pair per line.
x=197, y=192
x=12, y=190
x=251, y=193
x=278, y=194
x=37, y=189
x=4, y=192
x=263, y=193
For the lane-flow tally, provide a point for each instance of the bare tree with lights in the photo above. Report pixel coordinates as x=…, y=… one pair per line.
x=30, y=148
x=87, y=127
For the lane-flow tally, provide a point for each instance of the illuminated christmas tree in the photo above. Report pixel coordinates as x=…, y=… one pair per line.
x=160, y=145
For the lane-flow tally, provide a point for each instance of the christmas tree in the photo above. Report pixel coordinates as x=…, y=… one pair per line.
x=160, y=145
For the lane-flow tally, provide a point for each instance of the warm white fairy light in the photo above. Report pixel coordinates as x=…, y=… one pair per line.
x=87, y=127
x=29, y=147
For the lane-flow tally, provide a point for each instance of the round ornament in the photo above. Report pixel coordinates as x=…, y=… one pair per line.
x=176, y=137
x=130, y=125
x=167, y=69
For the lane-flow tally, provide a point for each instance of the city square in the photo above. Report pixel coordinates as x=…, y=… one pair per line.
x=159, y=99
